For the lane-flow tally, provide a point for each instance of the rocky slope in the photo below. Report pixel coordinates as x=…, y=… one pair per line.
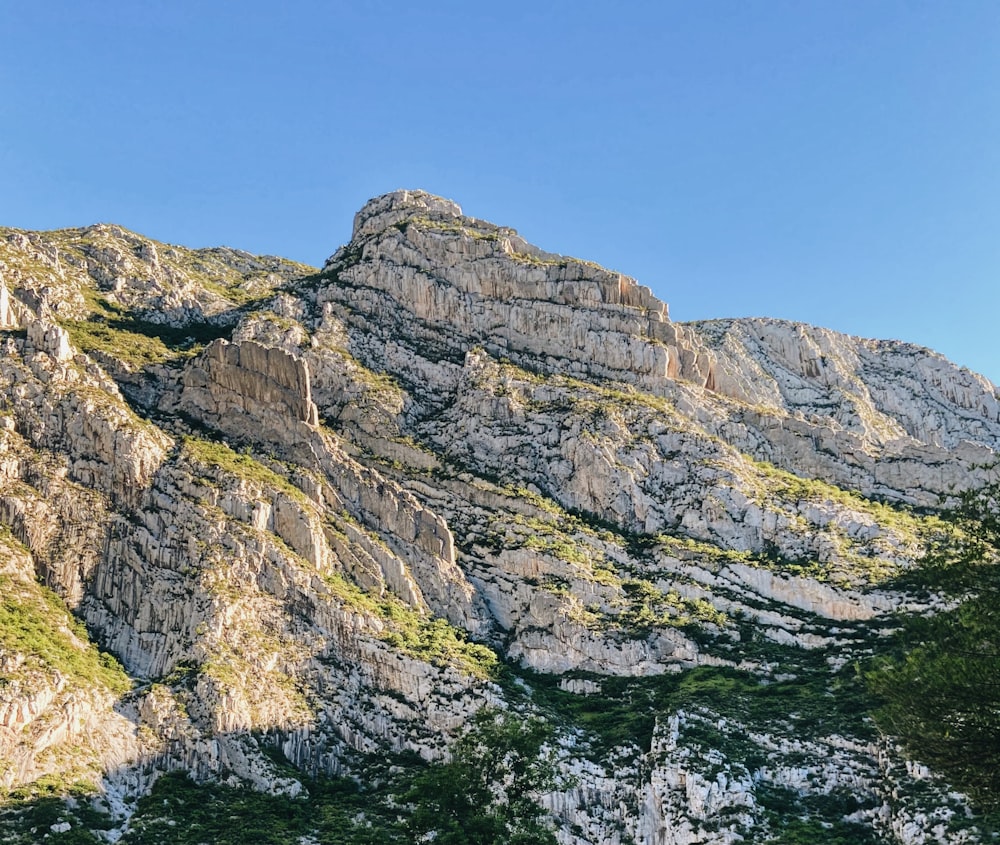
x=321, y=517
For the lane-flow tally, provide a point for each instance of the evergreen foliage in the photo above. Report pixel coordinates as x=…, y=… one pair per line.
x=941, y=691
x=182, y=812
x=486, y=794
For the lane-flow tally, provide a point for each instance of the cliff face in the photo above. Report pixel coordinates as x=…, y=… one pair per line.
x=886, y=419
x=310, y=511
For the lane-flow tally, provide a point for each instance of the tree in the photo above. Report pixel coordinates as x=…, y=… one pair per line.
x=486, y=794
x=940, y=692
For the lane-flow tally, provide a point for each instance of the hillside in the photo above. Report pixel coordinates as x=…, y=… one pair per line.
x=309, y=522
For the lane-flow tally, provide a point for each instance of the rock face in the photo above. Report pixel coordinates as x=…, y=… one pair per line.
x=808, y=400
x=308, y=512
x=239, y=380
x=8, y=319
x=48, y=704
x=460, y=282
x=889, y=419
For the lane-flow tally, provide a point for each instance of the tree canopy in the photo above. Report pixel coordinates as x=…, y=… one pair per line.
x=940, y=691
x=486, y=794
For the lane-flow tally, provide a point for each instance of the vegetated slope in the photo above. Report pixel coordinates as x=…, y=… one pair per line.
x=323, y=517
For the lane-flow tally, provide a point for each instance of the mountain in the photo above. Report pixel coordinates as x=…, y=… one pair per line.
x=289, y=530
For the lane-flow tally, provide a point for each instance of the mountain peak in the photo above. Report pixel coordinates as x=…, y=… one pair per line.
x=387, y=210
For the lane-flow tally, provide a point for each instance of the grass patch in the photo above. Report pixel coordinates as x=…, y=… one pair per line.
x=901, y=519
x=132, y=348
x=139, y=343
x=217, y=454
x=433, y=640
x=34, y=622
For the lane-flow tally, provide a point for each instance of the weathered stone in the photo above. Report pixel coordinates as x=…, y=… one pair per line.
x=8, y=318
x=452, y=423
x=249, y=381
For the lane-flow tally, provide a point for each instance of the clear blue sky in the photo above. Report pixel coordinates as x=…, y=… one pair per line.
x=833, y=162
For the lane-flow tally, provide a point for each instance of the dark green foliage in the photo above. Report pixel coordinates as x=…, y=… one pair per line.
x=29, y=812
x=942, y=697
x=812, y=702
x=196, y=333
x=940, y=692
x=486, y=794
x=624, y=711
x=181, y=812
x=794, y=819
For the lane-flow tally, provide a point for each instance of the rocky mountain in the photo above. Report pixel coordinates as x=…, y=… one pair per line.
x=275, y=527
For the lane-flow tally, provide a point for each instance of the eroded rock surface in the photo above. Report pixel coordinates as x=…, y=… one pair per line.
x=309, y=511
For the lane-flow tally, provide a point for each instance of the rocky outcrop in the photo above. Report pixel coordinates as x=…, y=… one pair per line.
x=152, y=281
x=887, y=418
x=311, y=514
x=8, y=314
x=71, y=408
x=882, y=390
x=259, y=386
x=49, y=339
x=452, y=283
x=420, y=286
x=262, y=396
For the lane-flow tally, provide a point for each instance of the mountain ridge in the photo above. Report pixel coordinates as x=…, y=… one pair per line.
x=311, y=512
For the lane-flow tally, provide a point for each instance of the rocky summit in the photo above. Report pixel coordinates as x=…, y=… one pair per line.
x=277, y=531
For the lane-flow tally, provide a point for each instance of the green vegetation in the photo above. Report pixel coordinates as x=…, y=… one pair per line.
x=648, y=607
x=450, y=227
x=612, y=412
x=433, y=640
x=604, y=400
x=36, y=625
x=557, y=546
x=458, y=227
x=940, y=690
x=336, y=812
x=794, y=819
x=34, y=622
x=136, y=350
x=436, y=641
x=263, y=690
x=808, y=701
x=486, y=794
x=641, y=607
x=908, y=524
x=28, y=813
x=374, y=381
x=242, y=465
x=685, y=548
x=110, y=330
x=528, y=258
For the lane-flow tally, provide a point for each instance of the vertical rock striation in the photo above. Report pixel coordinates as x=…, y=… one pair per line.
x=311, y=511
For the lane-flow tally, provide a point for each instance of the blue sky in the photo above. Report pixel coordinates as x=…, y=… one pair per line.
x=836, y=163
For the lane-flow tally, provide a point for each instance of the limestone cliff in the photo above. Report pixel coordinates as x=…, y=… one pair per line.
x=309, y=514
